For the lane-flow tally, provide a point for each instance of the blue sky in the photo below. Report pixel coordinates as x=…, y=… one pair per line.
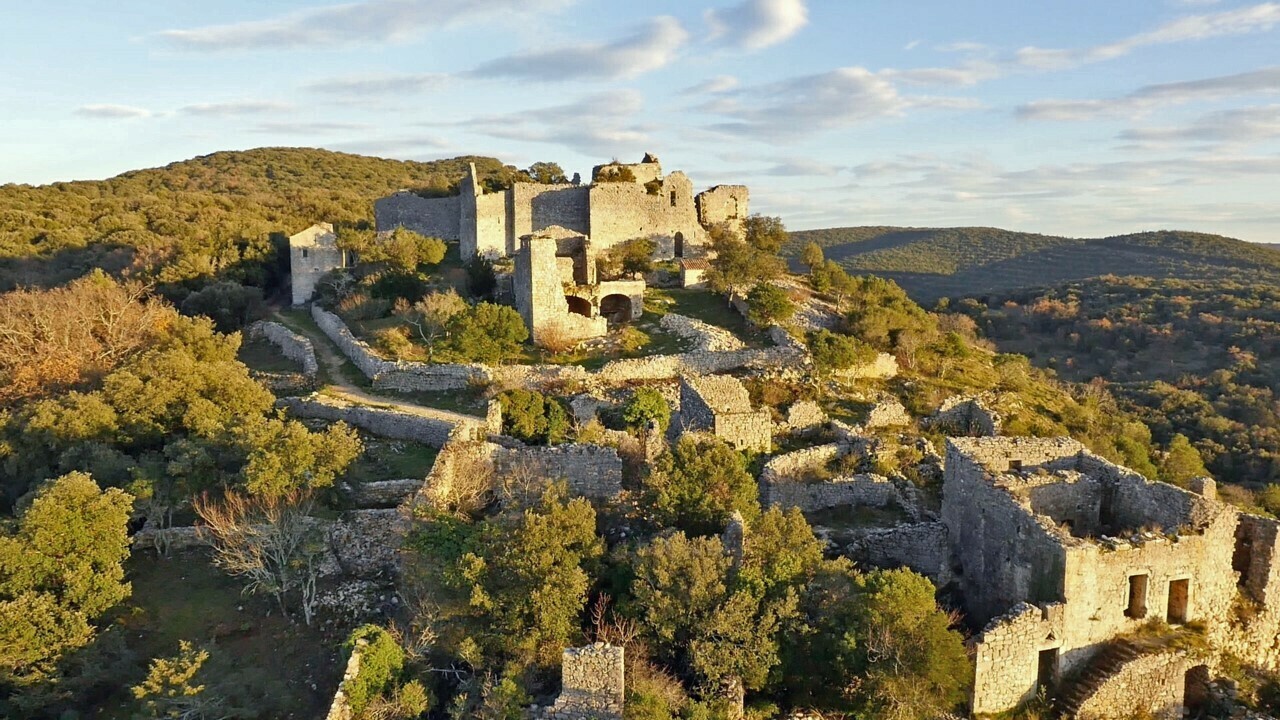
x=1076, y=117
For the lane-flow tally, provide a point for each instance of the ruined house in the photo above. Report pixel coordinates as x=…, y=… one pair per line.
x=559, y=294
x=719, y=404
x=623, y=202
x=1065, y=558
x=312, y=253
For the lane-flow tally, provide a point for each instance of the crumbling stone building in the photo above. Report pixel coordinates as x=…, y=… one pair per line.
x=1065, y=557
x=558, y=293
x=720, y=404
x=312, y=253
x=623, y=202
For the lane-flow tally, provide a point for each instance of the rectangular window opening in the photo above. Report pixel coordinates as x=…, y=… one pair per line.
x=304, y=253
x=673, y=198
x=1179, y=594
x=1137, y=608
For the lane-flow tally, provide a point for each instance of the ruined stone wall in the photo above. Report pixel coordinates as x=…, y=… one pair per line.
x=1006, y=656
x=724, y=203
x=593, y=471
x=1008, y=556
x=312, y=253
x=919, y=546
x=1147, y=686
x=853, y=490
x=540, y=296
x=793, y=466
x=536, y=207
x=751, y=431
x=492, y=226
x=965, y=415
x=383, y=422
x=292, y=345
x=720, y=404
x=887, y=412
x=998, y=454
x=461, y=459
x=622, y=211
x=593, y=684
x=433, y=217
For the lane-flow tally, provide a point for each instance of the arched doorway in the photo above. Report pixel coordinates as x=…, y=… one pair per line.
x=617, y=308
x=578, y=306
x=679, y=250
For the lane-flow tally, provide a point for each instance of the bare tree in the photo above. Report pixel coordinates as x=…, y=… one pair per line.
x=271, y=541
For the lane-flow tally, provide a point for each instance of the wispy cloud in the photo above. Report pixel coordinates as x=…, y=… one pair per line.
x=307, y=128
x=234, y=108
x=602, y=124
x=1240, y=21
x=385, y=84
x=370, y=21
x=112, y=112
x=803, y=167
x=757, y=24
x=789, y=109
x=649, y=48
x=1240, y=126
x=1143, y=100
x=712, y=86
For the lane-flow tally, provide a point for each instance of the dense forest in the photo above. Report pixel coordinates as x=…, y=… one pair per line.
x=930, y=263
x=1189, y=357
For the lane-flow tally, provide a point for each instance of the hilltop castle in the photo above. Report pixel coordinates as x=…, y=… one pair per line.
x=623, y=202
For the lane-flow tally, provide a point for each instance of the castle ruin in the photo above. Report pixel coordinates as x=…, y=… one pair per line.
x=312, y=253
x=623, y=202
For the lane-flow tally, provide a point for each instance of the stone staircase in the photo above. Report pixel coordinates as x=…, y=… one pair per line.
x=1096, y=672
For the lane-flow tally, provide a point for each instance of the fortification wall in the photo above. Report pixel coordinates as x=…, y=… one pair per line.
x=724, y=203
x=492, y=225
x=383, y=422
x=621, y=211
x=292, y=345
x=1149, y=685
x=919, y=546
x=593, y=471
x=536, y=207
x=433, y=217
x=851, y=491
x=1006, y=656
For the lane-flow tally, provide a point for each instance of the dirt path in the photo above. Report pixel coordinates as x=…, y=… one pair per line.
x=334, y=364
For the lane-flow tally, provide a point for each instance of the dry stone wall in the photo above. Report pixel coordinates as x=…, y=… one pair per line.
x=593, y=471
x=966, y=415
x=292, y=345
x=855, y=490
x=1005, y=656
x=720, y=404
x=919, y=546
x=1150, y=685
x=384, y=422
x=593, y=684
x=433, y=217
x=340, y=708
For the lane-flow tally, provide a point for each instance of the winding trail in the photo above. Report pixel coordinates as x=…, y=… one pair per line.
x=334, y=365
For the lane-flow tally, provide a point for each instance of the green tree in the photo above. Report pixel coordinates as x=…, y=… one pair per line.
x=698, y=484
x=739, y=264
x=812, y=256
x=486, y=333
x=765, y=233
x=647, y=408
x=431, y=315
x=880, y=313
x=381, y=663
x=530, y=416
x=769, y=305
x=635, y=256
x=481, y=278
x=285, y=456
x=230, y=305
x=1181, y=462
x=547, y=173
x=833, y=351
x=170, y=689
x=407, y=250
x=61, y=570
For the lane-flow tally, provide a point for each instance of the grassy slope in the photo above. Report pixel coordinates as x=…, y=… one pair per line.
x=936, y=262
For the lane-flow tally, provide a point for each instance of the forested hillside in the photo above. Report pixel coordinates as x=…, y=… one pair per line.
x=224, y=215
x=1188, y=357
x=930, y=263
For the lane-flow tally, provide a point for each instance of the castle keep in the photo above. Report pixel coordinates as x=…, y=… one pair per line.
x=623, y=202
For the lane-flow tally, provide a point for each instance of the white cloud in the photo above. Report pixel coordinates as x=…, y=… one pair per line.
x=1143, y=100
x=112, y=112
x=712, y=86
x=386, y=84
x=307, y=128
x=369, y=21
x=791, y=108
x=757, y=24
x=651, y=47
x=803, y=167
x=1240, y=126
x=1241, y=21
x=236, y=107
x=600, y=124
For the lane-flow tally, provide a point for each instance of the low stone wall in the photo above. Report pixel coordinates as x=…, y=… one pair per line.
x=793, y=466
x=705, y=337
x=783, y=339
x=383, y=493
x=462, y=458
x=923, y=547
x=887, y=412
x=366, y=543
x=340, y=708
x=593, y=471
x=1146, y=686
x=292, y=345
x=965, y=415
x=867, y=489
x=384, y=422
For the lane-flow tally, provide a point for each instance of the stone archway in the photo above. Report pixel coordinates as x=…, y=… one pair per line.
x=578, y=306
x=616, y=307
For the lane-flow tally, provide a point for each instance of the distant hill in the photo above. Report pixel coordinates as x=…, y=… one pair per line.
x=220, y=215
x=930, y=263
